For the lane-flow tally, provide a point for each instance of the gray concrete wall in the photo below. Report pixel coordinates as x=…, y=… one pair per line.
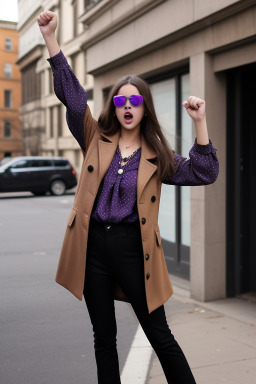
x=208, y=219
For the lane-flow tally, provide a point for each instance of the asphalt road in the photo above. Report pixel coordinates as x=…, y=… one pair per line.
x=45, y=332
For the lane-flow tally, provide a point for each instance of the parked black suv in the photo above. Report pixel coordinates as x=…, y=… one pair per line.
x=37, y=174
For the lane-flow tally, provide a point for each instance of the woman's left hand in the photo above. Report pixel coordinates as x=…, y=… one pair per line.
x=195, y=108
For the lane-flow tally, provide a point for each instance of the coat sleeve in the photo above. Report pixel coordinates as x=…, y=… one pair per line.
x=70, y=92
x=201, y=168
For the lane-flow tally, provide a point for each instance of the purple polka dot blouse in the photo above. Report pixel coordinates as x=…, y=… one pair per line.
x=116, y=200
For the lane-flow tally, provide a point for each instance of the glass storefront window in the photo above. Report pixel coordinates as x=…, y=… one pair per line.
x=165, y=105
x=186, y=144
x=174, y=210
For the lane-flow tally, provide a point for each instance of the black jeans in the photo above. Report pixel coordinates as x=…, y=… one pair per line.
x=115, y=253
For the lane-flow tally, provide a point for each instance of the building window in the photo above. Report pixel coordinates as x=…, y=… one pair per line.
x=50, y=81
x=31, y=84
x=174, y=211
x=74, y=62
x=51, y=122
x=7, y=98
x=75, y=19
x=186, y=143
x=37, y=86
x=90, y=94
x=77, y=157
x=85, y=67
x=89, y=4
x=8, y=70
x=59, y=121
x=8, y=44
x=7, y=129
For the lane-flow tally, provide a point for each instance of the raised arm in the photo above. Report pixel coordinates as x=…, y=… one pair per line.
x=48, y=22
x=66, y=86
x=201, y=168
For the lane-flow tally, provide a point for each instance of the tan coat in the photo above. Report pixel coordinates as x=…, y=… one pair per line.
x=100, y=150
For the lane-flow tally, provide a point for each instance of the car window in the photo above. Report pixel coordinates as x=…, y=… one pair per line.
x=20, y=164
x=46, y=163
x=60, y=163
x=40, y=163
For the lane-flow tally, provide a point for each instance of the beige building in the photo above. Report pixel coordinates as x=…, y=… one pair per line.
x=42, y=114
x=58, y=139
x=205, y=48
x=31, y=45
x=11, y=143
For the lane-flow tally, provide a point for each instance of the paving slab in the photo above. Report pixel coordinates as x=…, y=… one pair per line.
x=218, y=339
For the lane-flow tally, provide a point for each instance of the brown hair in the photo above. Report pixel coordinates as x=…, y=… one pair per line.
x=150, y=127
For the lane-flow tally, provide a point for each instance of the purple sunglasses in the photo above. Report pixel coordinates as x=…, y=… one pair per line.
x=135, y=100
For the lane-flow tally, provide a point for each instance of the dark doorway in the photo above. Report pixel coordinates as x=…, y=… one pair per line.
x=241, y=180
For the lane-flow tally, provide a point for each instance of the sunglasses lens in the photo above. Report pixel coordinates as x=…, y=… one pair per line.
x=119, y=101
x=136, y=100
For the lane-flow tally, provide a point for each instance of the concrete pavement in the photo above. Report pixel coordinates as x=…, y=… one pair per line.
x=218, y=338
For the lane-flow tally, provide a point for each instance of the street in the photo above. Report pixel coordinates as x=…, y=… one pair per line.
x=46, y=334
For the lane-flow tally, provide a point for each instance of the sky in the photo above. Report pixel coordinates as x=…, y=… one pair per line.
x=9, y=10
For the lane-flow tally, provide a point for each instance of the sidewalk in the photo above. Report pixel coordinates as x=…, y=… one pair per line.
x=218, y=338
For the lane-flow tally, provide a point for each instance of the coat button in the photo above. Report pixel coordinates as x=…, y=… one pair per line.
x=147, y=256
x=143, y=220
x=148, y=276
x=153, y=199
x=90, y=168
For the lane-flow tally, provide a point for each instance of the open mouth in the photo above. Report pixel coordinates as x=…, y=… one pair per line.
x=128, y=117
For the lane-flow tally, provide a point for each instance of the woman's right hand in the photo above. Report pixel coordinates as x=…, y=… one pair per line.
x=47, y=22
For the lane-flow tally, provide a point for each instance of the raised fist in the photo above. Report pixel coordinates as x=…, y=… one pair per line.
x=47, y=22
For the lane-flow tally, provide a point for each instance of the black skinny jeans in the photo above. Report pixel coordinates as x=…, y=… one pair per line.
x=116, y=254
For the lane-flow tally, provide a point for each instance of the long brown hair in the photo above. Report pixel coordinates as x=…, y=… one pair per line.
x=150, y=127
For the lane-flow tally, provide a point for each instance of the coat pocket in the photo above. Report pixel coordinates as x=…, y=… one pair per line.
x=158, y=236
x=71, y=217
x=85, y=221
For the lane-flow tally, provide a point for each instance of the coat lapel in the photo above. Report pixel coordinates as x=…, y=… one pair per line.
x=146, y=168
x=106, y=152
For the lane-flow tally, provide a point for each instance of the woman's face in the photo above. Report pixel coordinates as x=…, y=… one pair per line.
x=129, y=116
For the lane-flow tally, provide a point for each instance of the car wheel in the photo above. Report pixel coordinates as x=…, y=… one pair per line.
x=36, y=193
x=57, y=188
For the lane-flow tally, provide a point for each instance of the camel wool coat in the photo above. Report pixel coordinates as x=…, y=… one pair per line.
x=100, y=150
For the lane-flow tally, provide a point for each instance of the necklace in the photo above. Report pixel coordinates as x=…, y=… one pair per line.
x=131, y=144
x=124, y=160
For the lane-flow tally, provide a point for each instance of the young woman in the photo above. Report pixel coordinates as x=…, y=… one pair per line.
x=112, y=245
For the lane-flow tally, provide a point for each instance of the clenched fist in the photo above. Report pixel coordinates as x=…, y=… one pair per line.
x=195, y=108
x=47, y=22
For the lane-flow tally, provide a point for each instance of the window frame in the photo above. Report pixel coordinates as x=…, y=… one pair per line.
x=59, y=117
x=89, y=4
x=8, y=70
x=7, y=125
x=10, y=98
x=175, y=252
x=14, y=165
x=75, y=17
x=8, y=43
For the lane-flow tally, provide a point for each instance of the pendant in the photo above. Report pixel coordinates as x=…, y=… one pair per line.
x=120, y=171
